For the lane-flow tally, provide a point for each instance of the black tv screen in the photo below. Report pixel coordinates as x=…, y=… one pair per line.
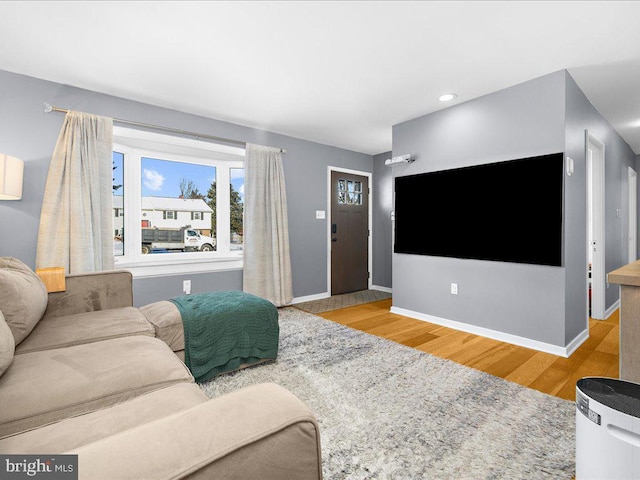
x=508, y=211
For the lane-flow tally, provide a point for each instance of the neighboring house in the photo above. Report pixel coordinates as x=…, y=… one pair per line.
x=166, y=212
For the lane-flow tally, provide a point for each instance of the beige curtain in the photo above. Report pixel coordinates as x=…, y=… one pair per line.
x=76, y=225
x=267, y=263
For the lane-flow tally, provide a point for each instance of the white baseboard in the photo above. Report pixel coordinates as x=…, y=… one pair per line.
x=381, y=289
x=609, y=311
x=496, y=335
x=576, y=342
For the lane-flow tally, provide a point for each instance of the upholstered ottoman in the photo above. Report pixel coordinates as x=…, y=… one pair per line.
x=217, y=332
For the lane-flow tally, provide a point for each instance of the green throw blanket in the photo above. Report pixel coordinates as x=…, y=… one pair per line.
x=223, y=330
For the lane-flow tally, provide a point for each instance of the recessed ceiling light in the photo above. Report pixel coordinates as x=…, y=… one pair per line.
x=447, y=97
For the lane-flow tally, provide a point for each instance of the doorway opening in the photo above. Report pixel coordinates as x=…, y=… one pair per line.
x=348, y=231
x=595, y=228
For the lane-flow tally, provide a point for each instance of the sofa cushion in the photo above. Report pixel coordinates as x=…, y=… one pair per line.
x=74, y=432
x=7, y=345
x=165, y=318
x=23, y=297
x=68, y=330
x=259, y=432
x=49, y=385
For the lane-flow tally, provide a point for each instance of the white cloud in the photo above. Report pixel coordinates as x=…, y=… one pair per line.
x=152, y=180
x=241, y=191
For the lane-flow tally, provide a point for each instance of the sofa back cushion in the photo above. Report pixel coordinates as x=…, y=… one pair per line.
x=7, y=345
x=23, y=297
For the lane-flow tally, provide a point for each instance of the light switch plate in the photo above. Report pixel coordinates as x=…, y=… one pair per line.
x=320, y=214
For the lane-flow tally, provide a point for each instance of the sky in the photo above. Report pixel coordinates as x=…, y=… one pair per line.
x=161, y=178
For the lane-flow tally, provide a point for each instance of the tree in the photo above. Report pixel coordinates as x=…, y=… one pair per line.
x=211, y=201
x=188, y=189
x=237, y=212
x=115, y=187
x=237, y=209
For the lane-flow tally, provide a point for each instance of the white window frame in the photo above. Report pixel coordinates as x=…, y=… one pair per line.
x=135, y=144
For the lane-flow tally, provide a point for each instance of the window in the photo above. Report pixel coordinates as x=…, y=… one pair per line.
x=236, y=204
x=179, y=203
x=349, y=192
x=118, y=204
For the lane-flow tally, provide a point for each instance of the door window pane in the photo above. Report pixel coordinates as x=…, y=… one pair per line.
x=349, y=192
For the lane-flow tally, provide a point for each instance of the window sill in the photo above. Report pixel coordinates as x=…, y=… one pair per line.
x=179, y=266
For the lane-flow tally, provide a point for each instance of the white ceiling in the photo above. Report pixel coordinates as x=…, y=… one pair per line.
x=338, y=73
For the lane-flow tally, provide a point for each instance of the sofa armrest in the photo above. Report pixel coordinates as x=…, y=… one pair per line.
x=262, y=431
x=89, y=292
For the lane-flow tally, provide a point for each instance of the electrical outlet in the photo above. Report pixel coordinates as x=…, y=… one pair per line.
x=454, y=289
x=186, y=286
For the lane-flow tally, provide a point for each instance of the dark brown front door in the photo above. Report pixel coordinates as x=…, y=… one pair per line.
x=349, y=233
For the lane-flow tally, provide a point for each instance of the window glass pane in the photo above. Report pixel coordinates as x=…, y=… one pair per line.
x=118, y=204
x=172, y=192
x=237, y=208
x=349, y=192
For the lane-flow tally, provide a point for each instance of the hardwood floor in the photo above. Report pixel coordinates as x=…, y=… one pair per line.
x=598, y=356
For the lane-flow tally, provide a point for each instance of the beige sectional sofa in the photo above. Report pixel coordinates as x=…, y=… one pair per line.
x=83, y=372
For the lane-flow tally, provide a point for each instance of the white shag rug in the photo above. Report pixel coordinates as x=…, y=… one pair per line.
x=387, y=411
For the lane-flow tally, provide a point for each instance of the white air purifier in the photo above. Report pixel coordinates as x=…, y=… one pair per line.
x=607, y=429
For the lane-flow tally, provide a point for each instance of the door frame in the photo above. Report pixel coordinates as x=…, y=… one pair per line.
x=331, y=169
x=633, y=215
x=595, y=168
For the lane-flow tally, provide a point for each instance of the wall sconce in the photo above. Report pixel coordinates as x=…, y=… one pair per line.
x=11, y=170
x=397, y=160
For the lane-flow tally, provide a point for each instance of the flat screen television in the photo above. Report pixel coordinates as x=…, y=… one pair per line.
x=509, y=211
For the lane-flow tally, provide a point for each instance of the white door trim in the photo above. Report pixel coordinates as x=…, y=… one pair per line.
x=595, y=153
x=370, y=221
x=633, y=215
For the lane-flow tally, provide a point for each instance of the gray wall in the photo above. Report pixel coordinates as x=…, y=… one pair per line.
x=28, y=133
x=546, y=304
x=382, y=227
x=581, y=115
x=523, y=300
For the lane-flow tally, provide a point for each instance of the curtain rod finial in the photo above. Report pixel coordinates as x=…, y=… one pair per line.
x=47, y=108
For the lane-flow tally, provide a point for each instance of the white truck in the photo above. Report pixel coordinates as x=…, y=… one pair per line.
x=184, y=239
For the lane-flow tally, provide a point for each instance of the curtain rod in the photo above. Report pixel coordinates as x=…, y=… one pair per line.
x=50, y=108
